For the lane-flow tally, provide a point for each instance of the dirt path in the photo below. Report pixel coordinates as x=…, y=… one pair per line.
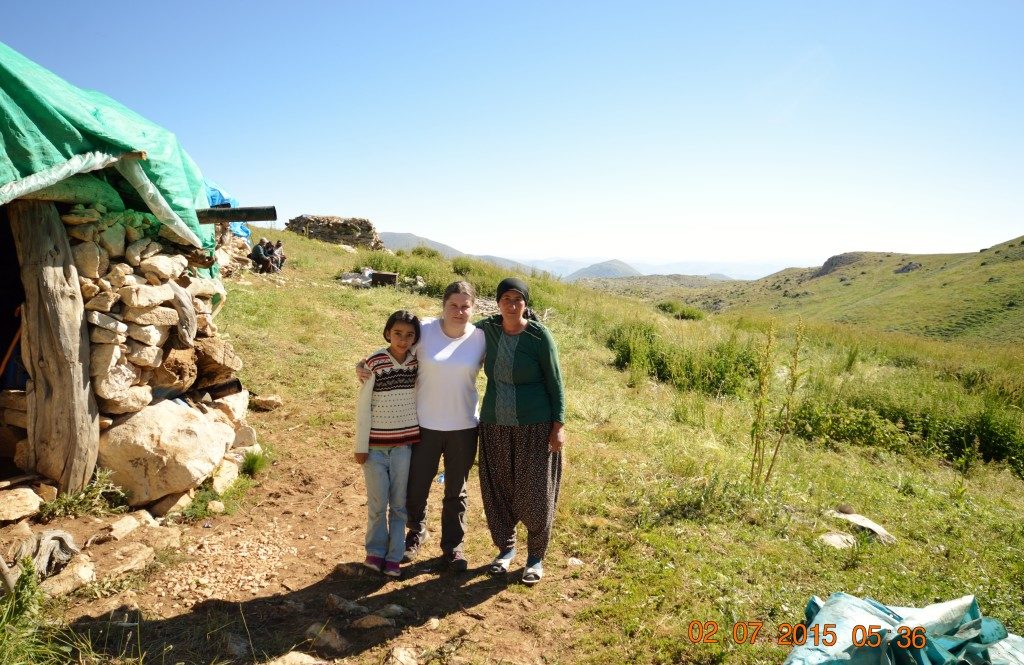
x=254, y=582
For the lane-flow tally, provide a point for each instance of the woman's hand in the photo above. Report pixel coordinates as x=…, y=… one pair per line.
x=361, y=372
x=557, y=438
x=361, y=458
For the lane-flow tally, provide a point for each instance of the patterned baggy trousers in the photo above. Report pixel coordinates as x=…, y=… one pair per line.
x=519, y=482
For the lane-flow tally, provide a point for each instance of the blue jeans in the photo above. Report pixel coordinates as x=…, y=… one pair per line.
x=387, y=475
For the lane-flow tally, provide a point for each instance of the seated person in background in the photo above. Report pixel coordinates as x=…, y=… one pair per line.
x=260, y=261
x=279, y=253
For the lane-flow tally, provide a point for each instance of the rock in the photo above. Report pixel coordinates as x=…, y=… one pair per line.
x=345, y=606
x=88, y=287
x=216, y=507
x=132, y=233
x=164, y=449
x=235, y=406
x=876, y=530
x=104, y=336
x=133, y=400
x=115, y=383
x=265, y=402
x=216, y=361
x=202, y=287
x=433, y=623
x=177, y=373
x=225, y=475
x=296, y=658
x=178, y=502
x=573, y=561
x=122, y=527
x=104, y=285
x=145, y=296
x=907, y=267
x=160, y=537
x=371, y=621
x=245, y=437
x=129, y=557
x=144, y=355
x=119, y=281
x=133, y=253
x=838, y=539
x=202, y=306
x=237, y=646
x=79, y=572
x=238, y=454
x=205, y=327
x=102, y=302
x=391, y=611
x=86, y=257
x=144, y=517
x=326, y=639
x=402, y=656
x=149, y=335
x=21, y=455
x=101, y=320
x=18, y=503
x=46, y=492
x=83, y=232
x=152, y=316
x=152, y=249
x=103, y=357
x=112, y=240
x=164, y=266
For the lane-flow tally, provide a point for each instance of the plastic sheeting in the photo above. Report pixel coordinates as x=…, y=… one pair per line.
x=218, y=197
x=954, y=632
x=53, y=130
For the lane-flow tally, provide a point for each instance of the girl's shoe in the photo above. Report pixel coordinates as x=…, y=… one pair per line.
x=502, y=562
x=374, y=563
x=534, y=571
x=392, y=569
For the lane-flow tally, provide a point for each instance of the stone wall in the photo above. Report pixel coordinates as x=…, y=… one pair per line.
x=337, y=230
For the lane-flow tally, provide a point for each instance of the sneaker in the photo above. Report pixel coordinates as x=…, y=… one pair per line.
x=413, y=541
x=392, y=569
x=374, y=563
x=457, y=562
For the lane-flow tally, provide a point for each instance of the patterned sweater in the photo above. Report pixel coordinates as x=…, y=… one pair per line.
x=386, y=411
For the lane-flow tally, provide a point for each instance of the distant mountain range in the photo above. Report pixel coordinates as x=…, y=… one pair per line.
x=605, y=269
x=574, y=269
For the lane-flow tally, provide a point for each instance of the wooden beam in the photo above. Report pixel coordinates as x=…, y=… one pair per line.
x=220, y=215
x=63, y=421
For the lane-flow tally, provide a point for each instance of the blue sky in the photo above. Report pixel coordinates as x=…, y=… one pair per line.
x=777, y=133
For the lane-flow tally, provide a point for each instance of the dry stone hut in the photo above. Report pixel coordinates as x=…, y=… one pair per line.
x=110, y=288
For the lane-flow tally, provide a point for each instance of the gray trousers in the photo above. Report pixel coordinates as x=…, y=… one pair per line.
x=458, y=448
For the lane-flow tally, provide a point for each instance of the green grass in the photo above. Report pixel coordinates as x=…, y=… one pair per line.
x=656, y=499
x=100, y=497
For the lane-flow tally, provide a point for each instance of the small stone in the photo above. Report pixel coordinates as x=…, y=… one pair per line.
x=131, y=556
x=133, y=400
x=88, y=287
x=391, y=611
x=145, y=296
x=265, y=402
x=103, y=358
x=345, y=606
x=573, y=561
x=149, y=335
x=104, y=336
x=112, y=239
x=327, y=639
x=46, y=492
x=433, y=623
x=225, y=476
x=155, y=316
x=216, y=507
x=102, y=320
x=18, y=503
x=102, y=302
x=87, y=259
x=83, y=232
x=371, y=621
x=144, y=355
x=122, y=527
x=296, y=658
x=245, y=437
x=133, y=253
x=163, y=266
x=402, y=656
x=173, y=503
x=115, y=383
x=838, y=539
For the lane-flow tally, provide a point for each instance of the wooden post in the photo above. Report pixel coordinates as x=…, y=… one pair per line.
x=63, y=421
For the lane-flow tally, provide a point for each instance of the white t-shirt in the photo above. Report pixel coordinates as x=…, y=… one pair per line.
x=446, y=385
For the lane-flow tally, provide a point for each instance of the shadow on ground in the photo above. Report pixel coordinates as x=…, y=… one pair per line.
x=219, y=631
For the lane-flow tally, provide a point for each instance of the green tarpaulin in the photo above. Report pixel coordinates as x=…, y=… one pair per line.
x=51, y=130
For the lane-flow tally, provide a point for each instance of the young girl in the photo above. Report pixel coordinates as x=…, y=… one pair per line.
x=386, y=428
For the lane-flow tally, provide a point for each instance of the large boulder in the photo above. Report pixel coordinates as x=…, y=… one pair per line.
x=164, y=449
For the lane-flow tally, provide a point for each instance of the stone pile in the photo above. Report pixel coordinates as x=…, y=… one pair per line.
x=155, y=360
x=337, y=230
x=233, y=254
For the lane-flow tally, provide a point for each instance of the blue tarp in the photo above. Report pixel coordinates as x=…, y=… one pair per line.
x=866, y=632
x=218, y=197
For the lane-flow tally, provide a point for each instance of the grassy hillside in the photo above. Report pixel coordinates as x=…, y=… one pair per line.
x=976, y=296
x=613, y=268
x=659, y=524
x=657, y=503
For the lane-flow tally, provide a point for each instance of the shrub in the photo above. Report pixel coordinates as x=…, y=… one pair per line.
x=680, y=310
x=426, y=252
x=254, y=463
x=99, y=497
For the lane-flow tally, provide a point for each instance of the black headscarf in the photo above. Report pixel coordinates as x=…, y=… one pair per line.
x=516, y=284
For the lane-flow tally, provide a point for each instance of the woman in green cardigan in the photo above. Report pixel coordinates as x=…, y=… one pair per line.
x=521, y=430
